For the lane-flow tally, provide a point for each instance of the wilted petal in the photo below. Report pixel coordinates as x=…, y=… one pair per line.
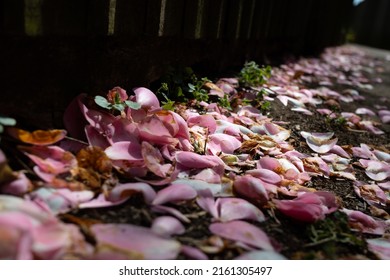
x=376, y=170
x=364, y=223
x=265, y=175
x=319, y=142
x=60, y=200
x=207, y=121
x=171, y=211
x=364, y=151
x=308, y=207
x=174, y=193
x=126, y=241
x=369, y=126
x=380, y=247
x=100, y=201
x=237, y=209
x=364, y=111
x=220, y=142
x=60, y=241
x=146, y=98
x=129, y=151
x=193, y=253
x=122, y=191
x=51, y=159
x=192, y=160
x=251, y=188
x=154, y=160
x=37, y=137
x=242, y=232
x=339, y=151
x=17, y=187
x=153, y=129
x=95, y=138
x=167, y=226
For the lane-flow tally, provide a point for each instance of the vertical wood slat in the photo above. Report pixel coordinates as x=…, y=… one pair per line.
x=130, y=17
x=75, y=17
x=153, y=13
x=260, y=19
x=170, y=17
x=215, y=19
x=194, y=18
x=13, y=17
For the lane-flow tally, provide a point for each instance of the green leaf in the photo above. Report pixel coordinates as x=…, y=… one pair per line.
x=120, y=107
x=133, y=105
x=7, y=121
x=102, y=102
x=191, y=87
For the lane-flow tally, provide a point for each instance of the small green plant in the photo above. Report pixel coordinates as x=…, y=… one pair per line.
x=340, y=121
x=252, y=75
x=197, y=90
x=116, y=100
x=225, y=102
x=265, y=106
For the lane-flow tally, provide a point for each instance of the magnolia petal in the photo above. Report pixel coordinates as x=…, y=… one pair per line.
x=167, y=226
x=236, y=209
x=376, y=170
x=127, y=241
x=193, y=253
x=319, y=142
x=369, y=126
x=19, y=186
x=174, y=193
x=260, y=255
x=339, y=151
x=192, y=160
x=380, y=247
x=220, y=142
x=146, y=98
x=206, y=201
x=172, y=211
x=207, y=121
x=307, y=207
x=242, y=232
x=60, y=241
x=364, y=223
x=265, y=175
x=95, y=138
x=60, y=200
x=122, y=191
x=154, y=160
x=153, y=129
x=364, y=111
x=251, y=188
x=38, y=137
x=100, y=201
x=130, y=151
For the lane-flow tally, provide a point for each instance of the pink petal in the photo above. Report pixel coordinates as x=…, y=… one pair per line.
x=125, y=241
x=206, y=201
x=251, y=187
x=129, y=151
x=265, y=175
x=192, y=160
x=167, y=226
x=95, y=138
x=307, y=207
x=17, y=187
x=364, y=223
x=207, y=121
x=364, y=151
x=380, y=247
x=58, y=240
x=146, y=98
x=51, y=159
x=154, y=160
x=224, y=143
x=60, y=200
x=100, y=201
x=171, y=211
x=339, y=151
x=238, y=209
x=122, y=191
x=73, y=118
x=376, y=170
x=153, y=129
x=242, y=232
x=193, y=253
x=369, y=126
x=364, y=111
x=270, y=164
x=174, y=193
x=319, y=142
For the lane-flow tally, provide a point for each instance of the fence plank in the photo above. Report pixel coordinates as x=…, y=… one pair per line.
x=194, y=18
x=153, y=14
x=13, y=17
x=130, y=17
x=215, y=19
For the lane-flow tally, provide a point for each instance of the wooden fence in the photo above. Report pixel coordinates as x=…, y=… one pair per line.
x=54, y=49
